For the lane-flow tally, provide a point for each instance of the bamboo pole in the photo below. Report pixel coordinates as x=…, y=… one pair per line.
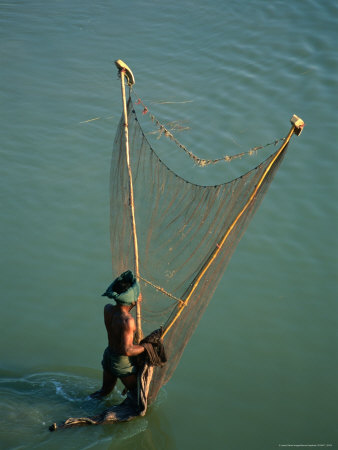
x=296, y=127
x=126, y=72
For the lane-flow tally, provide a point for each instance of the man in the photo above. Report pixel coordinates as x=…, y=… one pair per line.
x=119, y=358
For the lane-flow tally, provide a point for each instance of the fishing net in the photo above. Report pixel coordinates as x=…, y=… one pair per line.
x=186, y=234
x=177, y=237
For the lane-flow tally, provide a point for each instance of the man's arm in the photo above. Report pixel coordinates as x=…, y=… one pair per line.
x=128, y=347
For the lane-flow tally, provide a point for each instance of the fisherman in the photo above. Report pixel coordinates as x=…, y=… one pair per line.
x=119, y=358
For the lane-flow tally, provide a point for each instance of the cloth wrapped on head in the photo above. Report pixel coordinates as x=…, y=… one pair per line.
x=125, y=289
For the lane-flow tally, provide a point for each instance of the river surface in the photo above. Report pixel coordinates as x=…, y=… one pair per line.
x=260, y=372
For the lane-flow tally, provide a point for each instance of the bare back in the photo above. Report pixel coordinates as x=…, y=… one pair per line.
x=120, y=326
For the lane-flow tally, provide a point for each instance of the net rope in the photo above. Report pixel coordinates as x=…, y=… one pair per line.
x=162, y=130
x=186, y=235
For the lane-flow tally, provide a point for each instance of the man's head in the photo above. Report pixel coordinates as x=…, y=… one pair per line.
x=125, y=289
x=121, y=286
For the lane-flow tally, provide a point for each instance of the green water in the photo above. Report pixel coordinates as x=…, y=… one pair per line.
x=260, y=371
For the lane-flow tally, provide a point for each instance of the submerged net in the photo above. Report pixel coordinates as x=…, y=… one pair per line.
x=186, y=235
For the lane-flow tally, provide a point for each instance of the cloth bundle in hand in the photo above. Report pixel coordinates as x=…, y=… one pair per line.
x=154, y=349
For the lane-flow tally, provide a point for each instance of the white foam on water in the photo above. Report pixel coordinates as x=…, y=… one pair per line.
x=60, y=391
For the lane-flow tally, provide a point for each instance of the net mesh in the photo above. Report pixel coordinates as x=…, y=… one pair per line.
x=186, y=235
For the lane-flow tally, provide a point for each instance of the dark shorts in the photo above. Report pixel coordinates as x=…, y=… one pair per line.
x=118, y=365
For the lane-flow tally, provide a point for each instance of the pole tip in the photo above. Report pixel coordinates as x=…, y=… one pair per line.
x=298, y=123
x=122, y=67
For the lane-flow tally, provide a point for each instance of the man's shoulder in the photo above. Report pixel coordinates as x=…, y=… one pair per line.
x=109, y=308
